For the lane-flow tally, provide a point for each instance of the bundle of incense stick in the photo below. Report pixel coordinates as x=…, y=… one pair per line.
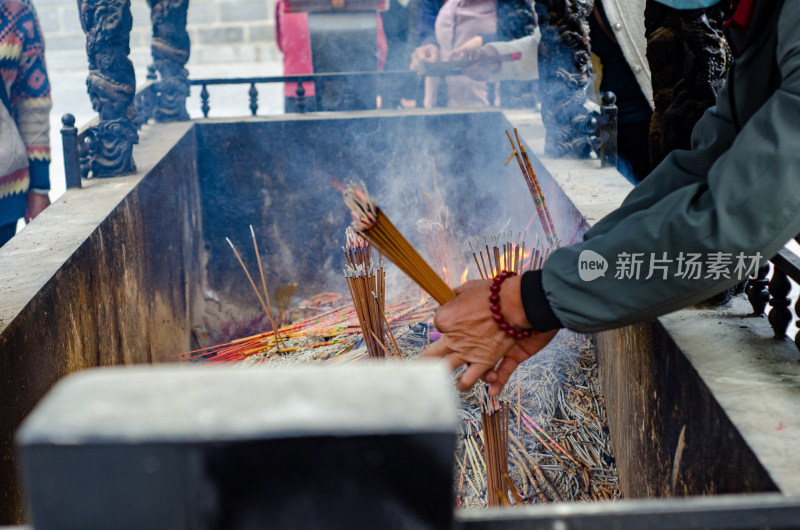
x=448, y=67
x=367, y=284
x=367, y=289
x=376, y=228
x=494, y=418
x=505, y=253
x=519, y=152
x=441, y=249
x=356, y=249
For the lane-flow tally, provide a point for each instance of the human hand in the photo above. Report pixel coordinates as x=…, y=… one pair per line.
x=462, y=51
x=480, y=71
x=428, y=53
x=471, y=336
x=35, y=204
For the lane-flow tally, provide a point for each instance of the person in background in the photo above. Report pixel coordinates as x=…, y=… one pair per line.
x=291, y=35
x=294, y=41
x=445, y=27
x=618, y=40
x=729, y=201
x=616, y=29
x=397, y=92
x=24, y=117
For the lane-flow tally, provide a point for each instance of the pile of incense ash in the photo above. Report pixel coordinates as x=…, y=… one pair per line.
x=558, y=440
x=557, y=435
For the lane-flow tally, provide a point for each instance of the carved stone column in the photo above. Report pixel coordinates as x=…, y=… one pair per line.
x=565, y=74
x=111, y=84
x=689, y=59
x=170, y=51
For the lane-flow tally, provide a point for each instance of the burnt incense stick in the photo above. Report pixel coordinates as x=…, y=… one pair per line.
x=252, y=283
x=494, y=418
x=366, y=282
x=537, y=185
x=266, y=293
x=376, y=228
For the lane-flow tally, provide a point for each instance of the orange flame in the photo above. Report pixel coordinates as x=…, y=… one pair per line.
x=464, y=276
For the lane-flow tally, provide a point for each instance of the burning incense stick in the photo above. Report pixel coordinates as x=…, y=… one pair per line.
x=376, y=228
x=525, y=165
x=507, y=253
x=356, y=249
x=441, y=248
x=266, y=293
x=264, y=305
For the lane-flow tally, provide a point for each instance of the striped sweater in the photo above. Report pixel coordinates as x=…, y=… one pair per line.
x=22, y=69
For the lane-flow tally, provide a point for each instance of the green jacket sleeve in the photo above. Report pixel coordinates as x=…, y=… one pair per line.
x=732, y=195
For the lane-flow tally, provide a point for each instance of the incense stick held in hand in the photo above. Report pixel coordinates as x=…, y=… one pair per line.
x=446, y=67
x=376, y=228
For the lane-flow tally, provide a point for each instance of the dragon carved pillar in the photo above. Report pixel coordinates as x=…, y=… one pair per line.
x=170, y=51
x=111, y=85
x=689, y=59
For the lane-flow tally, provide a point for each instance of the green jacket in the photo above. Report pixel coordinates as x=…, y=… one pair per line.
x=736, y=191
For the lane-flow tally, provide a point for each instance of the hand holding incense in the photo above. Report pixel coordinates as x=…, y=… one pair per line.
x=454, y=67
x=375, y=227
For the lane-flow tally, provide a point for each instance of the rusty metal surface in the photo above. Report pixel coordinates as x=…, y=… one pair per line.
x=104, y=277
x=653, y=393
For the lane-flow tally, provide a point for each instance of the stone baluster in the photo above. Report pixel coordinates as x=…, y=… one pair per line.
x=757, y=292
x=607, y=130
x=781, y=315
x=69, y=145
x=797, y=323
x=253, y=93
x=300, y=92
x=205, y=103
x=170, y=51
x=111, y=85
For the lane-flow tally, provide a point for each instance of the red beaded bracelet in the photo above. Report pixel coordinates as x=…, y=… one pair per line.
x=494, y=299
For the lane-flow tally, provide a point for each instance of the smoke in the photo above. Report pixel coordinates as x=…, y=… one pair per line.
x=443, y=166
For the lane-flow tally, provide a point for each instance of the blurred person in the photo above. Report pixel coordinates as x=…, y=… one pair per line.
x=291, y=35
x=616, y=29
x=24, y=117
x=734, y=195
x=397, y=22
x=294, y=41
x=445, y=27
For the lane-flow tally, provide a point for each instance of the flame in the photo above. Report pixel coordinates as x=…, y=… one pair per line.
x=444, y=273
x=464, y=276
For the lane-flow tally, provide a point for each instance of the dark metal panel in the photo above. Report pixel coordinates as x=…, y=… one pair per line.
x=721, y=511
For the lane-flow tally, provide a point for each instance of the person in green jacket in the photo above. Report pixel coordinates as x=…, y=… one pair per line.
x=697, y=225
